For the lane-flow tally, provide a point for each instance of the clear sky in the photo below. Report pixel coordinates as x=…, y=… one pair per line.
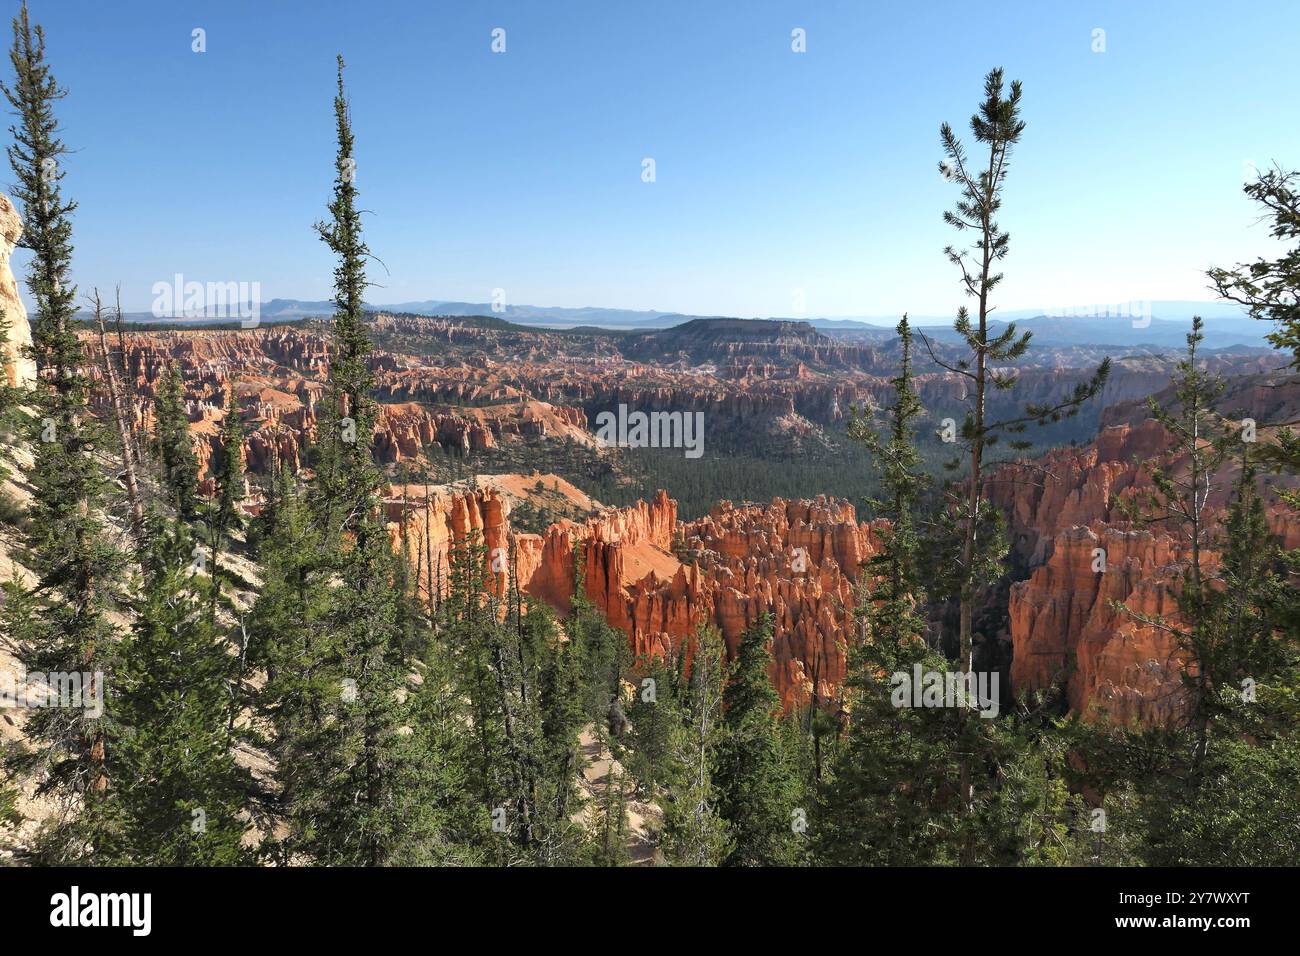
x=776, y=171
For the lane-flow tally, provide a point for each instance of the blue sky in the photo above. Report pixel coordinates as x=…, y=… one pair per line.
x=775, y=171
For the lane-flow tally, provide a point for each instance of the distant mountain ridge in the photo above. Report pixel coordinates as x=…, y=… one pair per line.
x=1115, y=331
x=1164, y=326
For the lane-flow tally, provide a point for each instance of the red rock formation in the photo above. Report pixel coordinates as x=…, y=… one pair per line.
x=432, y=523
x=1063, y=629
x=451, y=385
x=1066, y=632
x=797, y=560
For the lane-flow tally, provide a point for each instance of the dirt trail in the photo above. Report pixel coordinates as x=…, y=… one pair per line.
x=642, y=817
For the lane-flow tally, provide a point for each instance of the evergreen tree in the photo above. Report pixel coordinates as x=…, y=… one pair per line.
x=893, y=614
x=176, y=794
x=886, y=802
x=655, y=722
x=557, y=754
x=10, y=397
x=601, y=655
x=890, y=798
x=451, y=826
x=1270, y=288
x=1178, y=502
x=610, y=828
x=694, y=833
x=758, y=785
x=9, y=394
x=285, y=617
x=64, y=627
x=173, y=446
x=340, y=690
x=1205, y=790
x=977, y=530
x=369, y=750
x=224, y=516
x=525, y=694
x=346, y=477
x=880, y=806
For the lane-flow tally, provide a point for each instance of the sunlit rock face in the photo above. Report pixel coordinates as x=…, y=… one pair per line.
x=1084, y=557
x=19, y=370
x=658, y=580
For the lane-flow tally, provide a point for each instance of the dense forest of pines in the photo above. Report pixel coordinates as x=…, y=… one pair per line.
x=342, y=720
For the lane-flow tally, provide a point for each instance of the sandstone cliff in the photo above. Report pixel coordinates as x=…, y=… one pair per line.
x=1065, y=631
x=798, y=560
x=1062, y=510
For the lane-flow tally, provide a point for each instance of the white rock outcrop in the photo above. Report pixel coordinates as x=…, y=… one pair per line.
x=18, y=369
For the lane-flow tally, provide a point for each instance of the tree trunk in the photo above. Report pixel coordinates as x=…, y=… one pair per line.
x=114, y=394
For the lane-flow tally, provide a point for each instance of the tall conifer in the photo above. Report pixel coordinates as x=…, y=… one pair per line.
x=980, y=543
x=340, y=692
x=173, y=446
x=757, y=780
x=177, y=794
x=694, y=832
x=78, y=569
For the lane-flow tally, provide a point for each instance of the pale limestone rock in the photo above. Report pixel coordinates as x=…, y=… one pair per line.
x=19, y=370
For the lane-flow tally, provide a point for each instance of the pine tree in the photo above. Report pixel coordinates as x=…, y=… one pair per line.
x=177, y=795
x=525, y=694
x=1203, y=789
x=694, y=833
x=340, y=693
x=367, y=744
x=758, y=785
x=349, y=780
x=224, y=516
x=9, y=394
x=173, y=446
x=449, y=825
x=893, y=614
x=601, y=655
x=78, y=569
x=346, y=476
x=551, y=694
x=10, y=397
x=1250, y=610
x=885, y=802
x=977, y=529
x=655, y=721
x=1179, y=502
x=610, y=828
x=890, y=798
x=1270, y=289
